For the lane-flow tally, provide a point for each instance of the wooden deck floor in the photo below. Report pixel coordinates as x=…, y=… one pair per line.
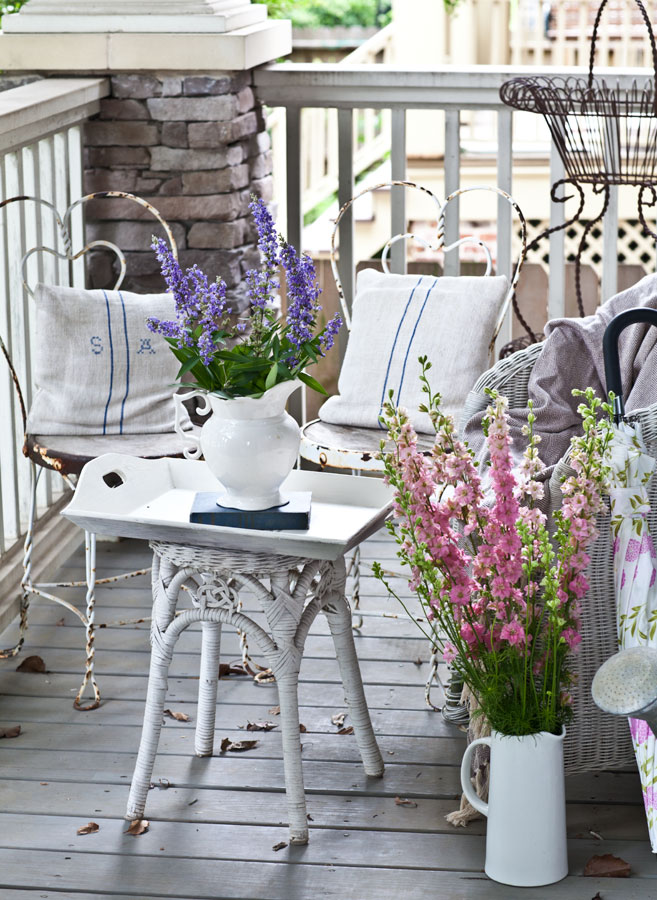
x=214, y=827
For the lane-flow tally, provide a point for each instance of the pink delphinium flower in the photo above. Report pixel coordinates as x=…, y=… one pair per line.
x=502, y=598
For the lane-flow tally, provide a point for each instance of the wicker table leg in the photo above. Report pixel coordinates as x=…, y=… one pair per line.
x=338, y=614
x=166, y=586
x=207, y=688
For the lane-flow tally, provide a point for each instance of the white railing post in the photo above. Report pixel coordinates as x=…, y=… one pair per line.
x=557, y=279
x=504, y=210
x=609, y=285
x=452, y=183
x=398, y=194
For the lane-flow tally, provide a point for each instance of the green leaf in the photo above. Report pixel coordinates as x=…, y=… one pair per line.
x=270, y=380
x=312, y=383
x=187, y=366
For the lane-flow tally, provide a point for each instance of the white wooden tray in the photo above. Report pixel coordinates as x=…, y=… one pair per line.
x=152, y=499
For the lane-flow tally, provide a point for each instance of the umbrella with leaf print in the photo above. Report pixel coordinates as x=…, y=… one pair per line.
x=635, y=569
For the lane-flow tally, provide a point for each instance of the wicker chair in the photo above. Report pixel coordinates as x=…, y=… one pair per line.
x=595, y=740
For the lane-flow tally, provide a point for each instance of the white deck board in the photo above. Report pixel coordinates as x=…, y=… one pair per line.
x=221, y=816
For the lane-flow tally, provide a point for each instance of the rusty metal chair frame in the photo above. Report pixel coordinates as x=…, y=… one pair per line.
x=365, y=458
x=40, y=459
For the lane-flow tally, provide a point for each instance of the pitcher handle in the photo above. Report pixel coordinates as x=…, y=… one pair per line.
x=470, y=793
x=192, y=439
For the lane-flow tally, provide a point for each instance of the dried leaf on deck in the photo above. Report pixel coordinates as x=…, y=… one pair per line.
x=348, y=730
x=280, y=846
x=237, y=746
x=225, y=669
x=419, y=661
x=89, y=828
x=338, y=719
x=274, y=710
x=162, y=783
x=259, y=726
x=139, y=826
x=403, y=801
x=607, y=866
x=302, y=728
x=60, y=622
x=14, y=731
x=597, y=896
x=32, y=664
x=178, y=716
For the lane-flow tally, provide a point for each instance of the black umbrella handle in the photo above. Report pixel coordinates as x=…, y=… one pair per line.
x=610, y=351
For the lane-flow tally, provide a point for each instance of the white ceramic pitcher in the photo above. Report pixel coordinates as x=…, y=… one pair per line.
x=526, y=809
x=250, y=445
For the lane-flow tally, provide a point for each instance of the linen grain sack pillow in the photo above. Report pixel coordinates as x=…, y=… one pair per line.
x=396, y=319
x=98, y=369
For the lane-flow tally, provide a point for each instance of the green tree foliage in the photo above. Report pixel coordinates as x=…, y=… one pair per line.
x=11, y=6
x=330, y=13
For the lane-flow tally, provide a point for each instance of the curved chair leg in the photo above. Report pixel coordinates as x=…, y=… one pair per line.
x=207, y=688
x=338, y=615
x=89, y=676
x=296, y=800
x=26, y=580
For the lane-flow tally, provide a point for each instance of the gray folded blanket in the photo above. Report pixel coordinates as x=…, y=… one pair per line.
x=572, y=358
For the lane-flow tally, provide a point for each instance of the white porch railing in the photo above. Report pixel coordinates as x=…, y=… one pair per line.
x=461, y=95
x=319, y=130
x=40, y=156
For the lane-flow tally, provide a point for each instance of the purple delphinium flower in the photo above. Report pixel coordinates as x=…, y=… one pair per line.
x=302, y=293
x=327, y=337
x=198, y=303
x=261, y=284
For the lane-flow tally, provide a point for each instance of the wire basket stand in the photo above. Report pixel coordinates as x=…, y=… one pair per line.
x=605, y=135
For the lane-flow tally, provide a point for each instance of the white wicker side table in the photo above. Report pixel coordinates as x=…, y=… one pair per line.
x=294, y=575
x=297, y=590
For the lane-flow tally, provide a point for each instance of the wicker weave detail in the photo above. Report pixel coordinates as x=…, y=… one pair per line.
x=224, y=560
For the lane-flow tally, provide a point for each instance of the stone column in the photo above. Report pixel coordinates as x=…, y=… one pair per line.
x=181, y=126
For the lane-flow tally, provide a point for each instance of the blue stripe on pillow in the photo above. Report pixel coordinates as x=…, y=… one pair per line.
x=127, y=363
x=392, y=351
x=408, y=349
x=111, y=345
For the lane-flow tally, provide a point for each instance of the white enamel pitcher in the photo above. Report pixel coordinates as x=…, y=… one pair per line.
x=526, y=809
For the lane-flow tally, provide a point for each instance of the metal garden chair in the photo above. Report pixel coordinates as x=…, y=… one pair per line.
x=358, y=449
x=65, y=455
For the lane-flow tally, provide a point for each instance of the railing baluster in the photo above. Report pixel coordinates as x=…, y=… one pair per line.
x=557, y=275
x=504, y=212
x=610, y=247
x=294, y=212
x=49, y=238
x=398, y=194
x=452, y=183
x=60, y=162
x=9, y=452
x=75, y=190
x=33, y=274
x=345, y=193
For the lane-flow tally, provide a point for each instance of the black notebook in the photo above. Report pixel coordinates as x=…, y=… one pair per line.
x=294, y=515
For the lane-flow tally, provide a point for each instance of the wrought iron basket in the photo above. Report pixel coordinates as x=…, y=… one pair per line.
x=603, y=133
